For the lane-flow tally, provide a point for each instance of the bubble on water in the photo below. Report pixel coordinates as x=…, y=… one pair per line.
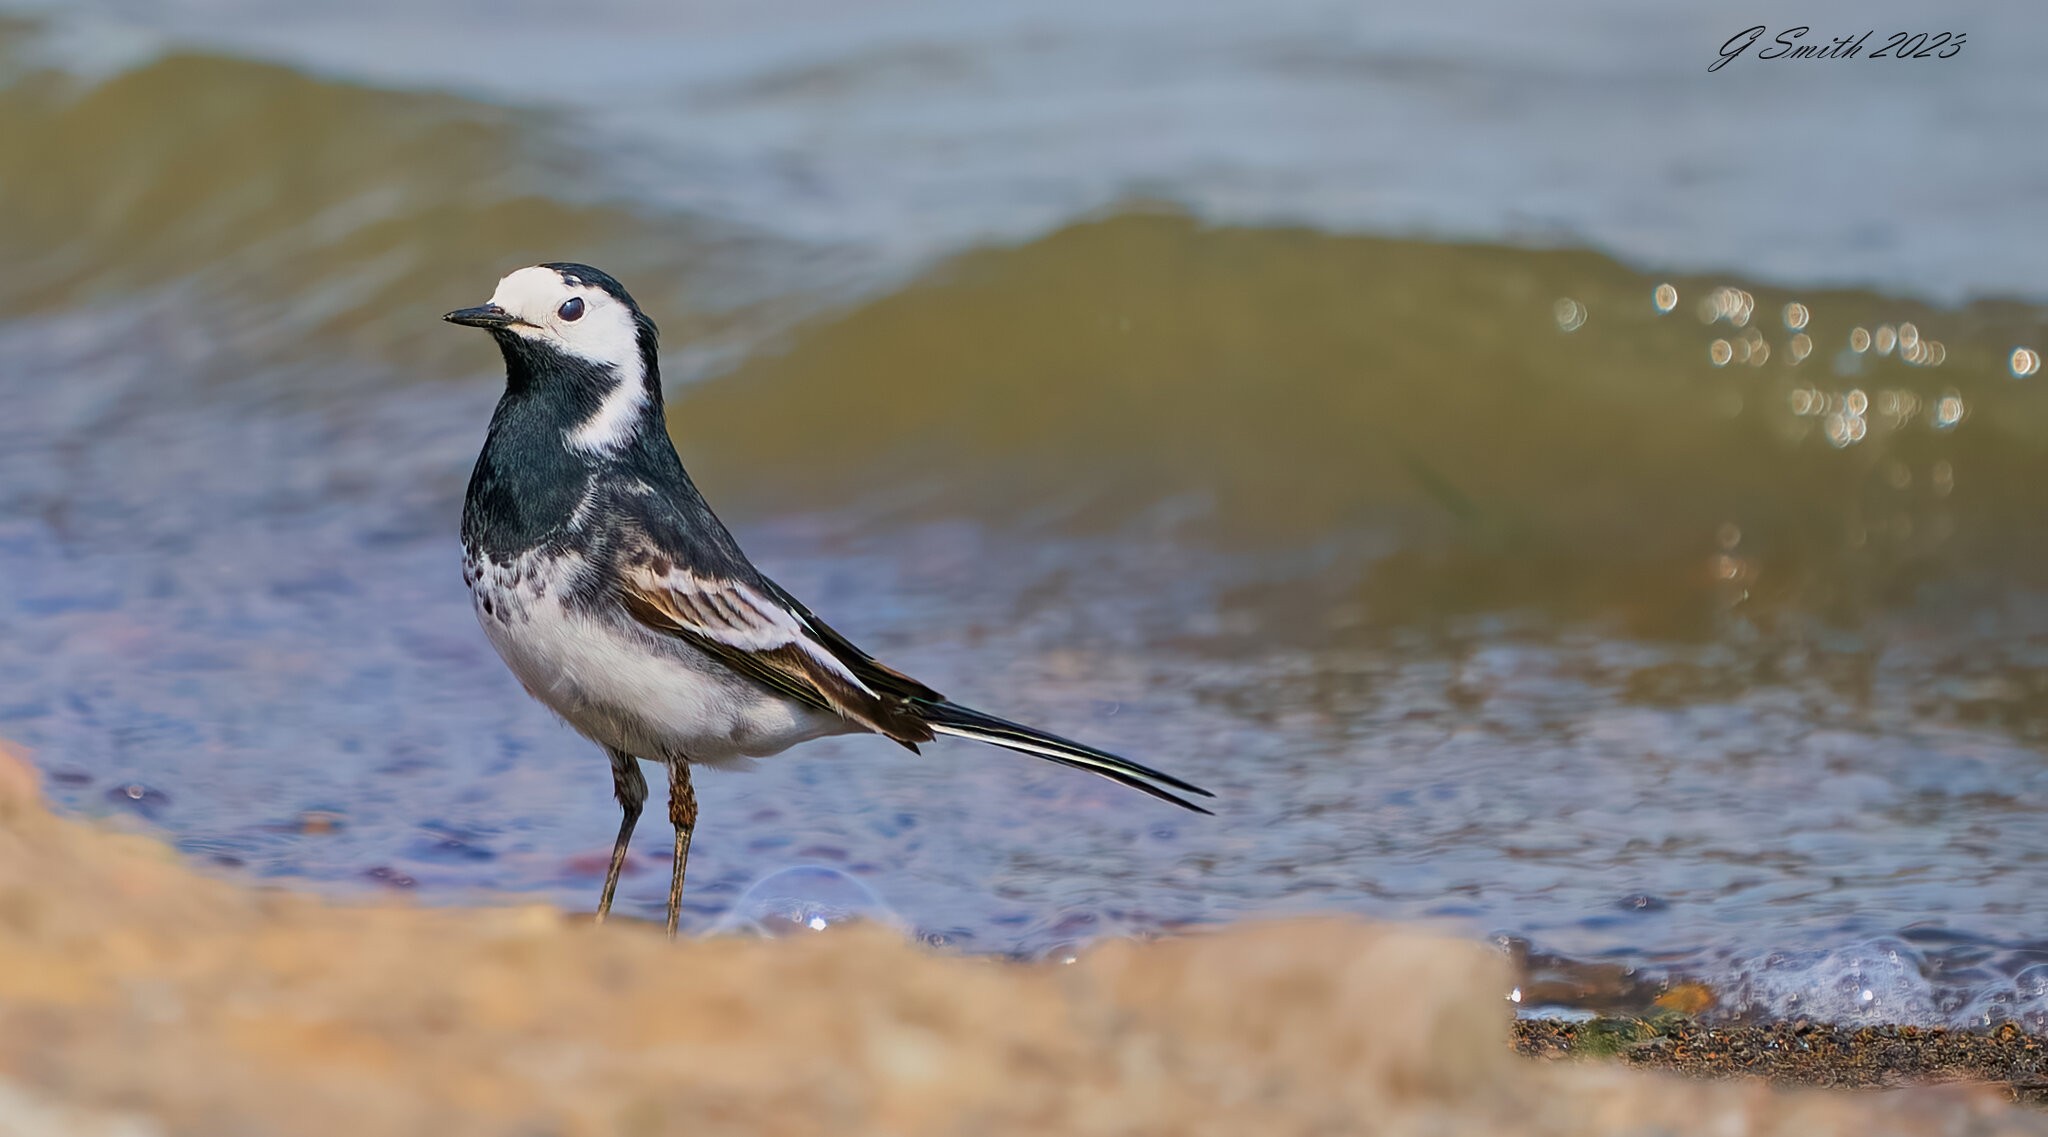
x=1909, y=337
x=1886, y=338
x=804, y=898
x=1665, y=298
x=1724, y=303
x=1949, y=409
x=1796, y=316
x=1922, y=352
x=142, y=800
x=1720, y=351
x=2025, y=362
x=1570, y=314
x=1801, y=346
x=1856, y=402
x=1859, y=340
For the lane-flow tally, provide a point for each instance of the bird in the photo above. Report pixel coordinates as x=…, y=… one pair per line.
x=622, y=603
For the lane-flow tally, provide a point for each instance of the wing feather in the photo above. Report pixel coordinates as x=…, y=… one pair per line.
x=876, y=674
x=761, y=637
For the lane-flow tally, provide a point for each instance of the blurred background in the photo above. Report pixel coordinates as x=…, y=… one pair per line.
x=1546, y=489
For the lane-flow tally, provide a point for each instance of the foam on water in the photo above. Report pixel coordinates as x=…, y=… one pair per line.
x=1889, y=980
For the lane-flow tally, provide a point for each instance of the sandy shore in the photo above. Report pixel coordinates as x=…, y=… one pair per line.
x=137, y=997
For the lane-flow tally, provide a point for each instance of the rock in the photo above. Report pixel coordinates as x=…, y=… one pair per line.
x=135, y=992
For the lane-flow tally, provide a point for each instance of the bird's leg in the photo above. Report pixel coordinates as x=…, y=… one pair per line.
x=631, y=790
x=682, y=813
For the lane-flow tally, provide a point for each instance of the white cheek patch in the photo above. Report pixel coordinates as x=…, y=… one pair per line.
x=612, y=425
x=606, y=335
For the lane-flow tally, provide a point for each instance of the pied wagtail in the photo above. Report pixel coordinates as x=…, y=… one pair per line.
x=623, y=604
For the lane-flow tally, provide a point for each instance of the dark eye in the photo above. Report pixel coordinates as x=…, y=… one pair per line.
x=571, y=309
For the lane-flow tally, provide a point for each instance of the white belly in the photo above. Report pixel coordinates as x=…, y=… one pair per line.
x=627, y=687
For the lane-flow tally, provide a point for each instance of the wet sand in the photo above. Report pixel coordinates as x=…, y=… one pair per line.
x=1805, y=1053
x=139, y=997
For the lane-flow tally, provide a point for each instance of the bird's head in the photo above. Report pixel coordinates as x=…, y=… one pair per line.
x=572, y=331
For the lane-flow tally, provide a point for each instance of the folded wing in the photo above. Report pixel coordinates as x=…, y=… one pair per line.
x=725, y=607
x=776, y=643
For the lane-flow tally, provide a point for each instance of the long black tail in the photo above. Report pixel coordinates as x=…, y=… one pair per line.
x=952, y=718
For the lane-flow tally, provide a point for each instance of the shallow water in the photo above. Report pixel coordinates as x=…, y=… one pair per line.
x=1474, y=584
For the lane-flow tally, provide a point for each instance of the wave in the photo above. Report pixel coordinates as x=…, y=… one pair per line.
x=297, y=215
x=1490, y=427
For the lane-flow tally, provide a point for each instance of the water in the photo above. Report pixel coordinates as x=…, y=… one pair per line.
x=912, y=127
x=1480, y=592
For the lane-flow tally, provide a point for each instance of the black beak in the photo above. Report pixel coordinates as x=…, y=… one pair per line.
x=487, y=316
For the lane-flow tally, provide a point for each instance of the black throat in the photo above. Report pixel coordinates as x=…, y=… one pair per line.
x=529, y=482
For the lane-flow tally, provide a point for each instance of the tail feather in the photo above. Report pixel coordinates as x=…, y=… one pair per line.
x=965, y=722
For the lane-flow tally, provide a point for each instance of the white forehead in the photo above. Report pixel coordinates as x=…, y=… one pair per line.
x=535, y=291
x=604, y=333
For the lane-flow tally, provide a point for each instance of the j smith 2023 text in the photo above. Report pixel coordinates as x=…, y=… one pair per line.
x=1793, y=43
